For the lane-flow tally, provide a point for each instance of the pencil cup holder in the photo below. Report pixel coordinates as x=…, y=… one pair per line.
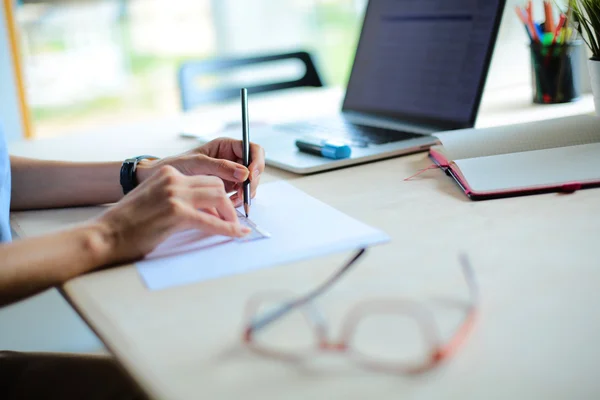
x=555, y=72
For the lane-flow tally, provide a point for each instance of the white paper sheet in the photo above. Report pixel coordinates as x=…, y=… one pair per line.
x=299, y=225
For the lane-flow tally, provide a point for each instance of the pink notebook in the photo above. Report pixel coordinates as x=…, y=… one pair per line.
x=553, y=155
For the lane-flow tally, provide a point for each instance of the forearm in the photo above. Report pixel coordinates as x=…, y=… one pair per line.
x=48, y=184
x=55, y=259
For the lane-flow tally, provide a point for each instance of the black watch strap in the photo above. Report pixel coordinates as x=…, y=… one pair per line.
x=128, y=178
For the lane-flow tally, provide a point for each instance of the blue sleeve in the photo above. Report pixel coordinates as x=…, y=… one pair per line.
x=5, y=234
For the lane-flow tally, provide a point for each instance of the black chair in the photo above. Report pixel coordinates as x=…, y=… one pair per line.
x=193, y=94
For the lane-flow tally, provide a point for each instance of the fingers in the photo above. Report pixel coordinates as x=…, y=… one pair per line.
x=167, y=203
x=201, y=185
x=221, y=203
x=254, y=185
x=220, y=156
x=208, y=192
x=255, y=169
x=232, y=149
x=213, y=225
x=237, y=199
x=257, y=166
x=224, y=169
x=219, y=220
x=233, y=187
x=212, y=211
x=190, y=194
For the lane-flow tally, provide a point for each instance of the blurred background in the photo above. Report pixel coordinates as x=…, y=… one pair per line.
x=92, y=62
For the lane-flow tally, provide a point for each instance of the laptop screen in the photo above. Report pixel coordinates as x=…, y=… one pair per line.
x=424, y=61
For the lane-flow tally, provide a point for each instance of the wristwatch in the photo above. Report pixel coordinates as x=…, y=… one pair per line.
x=128, y=178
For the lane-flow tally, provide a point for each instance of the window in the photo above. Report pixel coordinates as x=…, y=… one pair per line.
x=98, y=62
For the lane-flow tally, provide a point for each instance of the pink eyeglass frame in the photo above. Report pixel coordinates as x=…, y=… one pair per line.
x=439, y=350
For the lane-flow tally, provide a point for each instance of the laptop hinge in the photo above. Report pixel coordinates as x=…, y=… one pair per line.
x=389, y=123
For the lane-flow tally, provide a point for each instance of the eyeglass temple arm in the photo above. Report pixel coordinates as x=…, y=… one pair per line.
x=459, y=336
x=268, y=318
x=469, y=276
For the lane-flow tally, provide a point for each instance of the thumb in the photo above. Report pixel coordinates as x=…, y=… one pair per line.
x=224, y=169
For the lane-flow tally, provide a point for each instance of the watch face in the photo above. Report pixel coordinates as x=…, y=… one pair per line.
x=128, y=179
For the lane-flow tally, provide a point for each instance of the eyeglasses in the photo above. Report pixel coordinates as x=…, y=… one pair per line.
x=415, y=346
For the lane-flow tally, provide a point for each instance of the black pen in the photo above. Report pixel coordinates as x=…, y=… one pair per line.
x=246, y=149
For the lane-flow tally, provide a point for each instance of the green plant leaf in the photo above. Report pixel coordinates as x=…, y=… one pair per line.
x=587, y=14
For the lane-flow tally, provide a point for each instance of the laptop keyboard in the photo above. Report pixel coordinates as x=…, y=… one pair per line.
x=353, y=134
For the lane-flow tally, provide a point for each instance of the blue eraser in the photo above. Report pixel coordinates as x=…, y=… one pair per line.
x=324, y=148
x=336, y=152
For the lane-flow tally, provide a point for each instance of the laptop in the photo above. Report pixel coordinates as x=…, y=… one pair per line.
x=420, y=68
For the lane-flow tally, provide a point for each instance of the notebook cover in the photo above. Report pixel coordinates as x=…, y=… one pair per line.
x=452, y=170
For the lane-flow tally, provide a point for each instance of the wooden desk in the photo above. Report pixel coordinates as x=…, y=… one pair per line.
x=536, y=259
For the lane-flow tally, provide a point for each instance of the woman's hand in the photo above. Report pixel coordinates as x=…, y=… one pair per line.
x=221, y=158
x=166, y=203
